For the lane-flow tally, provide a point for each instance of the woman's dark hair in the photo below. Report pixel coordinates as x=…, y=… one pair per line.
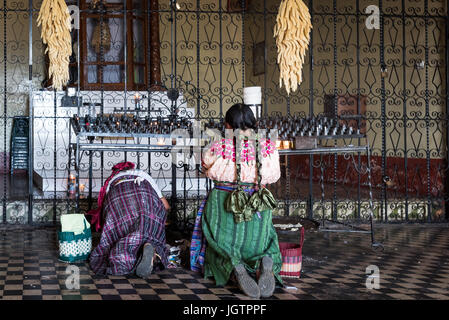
x=240, y=116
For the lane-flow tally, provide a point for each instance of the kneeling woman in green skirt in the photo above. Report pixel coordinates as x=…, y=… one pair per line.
x=237, y=218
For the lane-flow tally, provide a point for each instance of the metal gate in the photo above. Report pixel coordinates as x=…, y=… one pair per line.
x=384, y=62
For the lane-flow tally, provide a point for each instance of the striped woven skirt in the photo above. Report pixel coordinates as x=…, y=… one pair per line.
x=134, y=215
x=230, y=243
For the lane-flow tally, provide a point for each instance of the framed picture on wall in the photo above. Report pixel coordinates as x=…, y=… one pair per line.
x=259, y=58
x=236, y=5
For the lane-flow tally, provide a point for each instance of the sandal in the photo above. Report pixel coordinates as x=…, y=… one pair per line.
x=145, y=266
x=266, y=279
x=246, y=283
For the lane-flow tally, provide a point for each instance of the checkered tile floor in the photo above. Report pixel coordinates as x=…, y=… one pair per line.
x=414, y=265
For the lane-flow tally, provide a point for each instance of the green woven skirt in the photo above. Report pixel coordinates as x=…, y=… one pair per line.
x=229, y=244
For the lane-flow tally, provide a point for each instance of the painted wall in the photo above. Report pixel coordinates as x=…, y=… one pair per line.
x=366, y=70
x=208, y=53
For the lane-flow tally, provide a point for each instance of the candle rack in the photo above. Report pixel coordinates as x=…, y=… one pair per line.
x=102, y=132
x=323, y=135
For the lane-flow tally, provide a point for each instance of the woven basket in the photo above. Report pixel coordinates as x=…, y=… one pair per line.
x=75, y=248
x=292, y=257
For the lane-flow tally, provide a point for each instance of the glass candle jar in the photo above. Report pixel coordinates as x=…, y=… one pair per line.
x=278, y=144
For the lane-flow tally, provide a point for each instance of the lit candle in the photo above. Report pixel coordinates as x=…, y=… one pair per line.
x=82, y=187
x=278, y=144
x=286, y=144
x=71, y=185
x=160, y=141
x=137, y=100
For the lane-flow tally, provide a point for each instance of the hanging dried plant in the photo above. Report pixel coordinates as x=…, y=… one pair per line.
x=54, y=17
x=292, y=33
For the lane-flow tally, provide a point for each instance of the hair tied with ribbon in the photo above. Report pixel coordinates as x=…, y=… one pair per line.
x=240, y=204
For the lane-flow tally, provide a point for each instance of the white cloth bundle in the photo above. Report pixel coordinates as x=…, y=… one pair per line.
x=74, y=222
x=140, y=176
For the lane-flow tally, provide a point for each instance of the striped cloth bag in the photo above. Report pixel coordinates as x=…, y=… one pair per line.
x=292, y=257
x=198, y=242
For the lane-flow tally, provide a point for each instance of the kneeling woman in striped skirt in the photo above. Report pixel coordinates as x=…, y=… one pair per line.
x=237, y=218
x=133, y=233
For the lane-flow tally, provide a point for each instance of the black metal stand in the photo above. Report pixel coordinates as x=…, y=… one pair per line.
x=174, y=108
x=347, y=151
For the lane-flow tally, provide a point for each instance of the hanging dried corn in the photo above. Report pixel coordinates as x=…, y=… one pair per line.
x=55, y=19
x=292, y=33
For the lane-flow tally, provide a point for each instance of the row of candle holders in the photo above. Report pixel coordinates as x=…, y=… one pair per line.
x=289, y=128
x=317, y=126
x=129, y=124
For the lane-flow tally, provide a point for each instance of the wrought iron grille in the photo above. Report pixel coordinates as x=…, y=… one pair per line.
x=395, y=74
